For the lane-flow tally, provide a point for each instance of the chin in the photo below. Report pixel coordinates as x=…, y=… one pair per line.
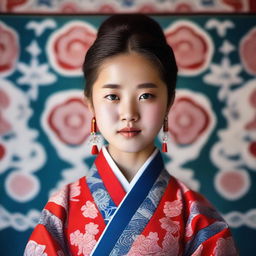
x=132, y=149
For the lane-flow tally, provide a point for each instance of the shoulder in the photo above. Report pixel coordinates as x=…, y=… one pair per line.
x=186, y=192
x=204, y=228
x=69, y=192
x=193, y=203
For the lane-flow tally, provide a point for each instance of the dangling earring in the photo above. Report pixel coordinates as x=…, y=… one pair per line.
x=165, y=135
x=94, y=140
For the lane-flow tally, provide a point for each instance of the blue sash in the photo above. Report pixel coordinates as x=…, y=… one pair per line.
x=130, y=205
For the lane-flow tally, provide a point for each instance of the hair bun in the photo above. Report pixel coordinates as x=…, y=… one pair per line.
x=132, y=23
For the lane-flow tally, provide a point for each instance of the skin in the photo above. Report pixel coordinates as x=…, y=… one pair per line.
x=129, y=93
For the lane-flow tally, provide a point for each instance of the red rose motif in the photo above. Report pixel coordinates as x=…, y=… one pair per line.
x=232, y=184
x=68, y=46
x=187, y=121
x=70, y=121
x=247, y=52
x=5, y=126
x=147, y=8
x=9, y=49
x=183, y=7
x=2, y=151
x=192, y=47
x=252, y=124
x=11, y=4
x=106, y=8
x=4, y=99
x=69, y=7
x=22, y=186
x=252, y=148
x=231, y=181
x=253, y=99
x=237, y=5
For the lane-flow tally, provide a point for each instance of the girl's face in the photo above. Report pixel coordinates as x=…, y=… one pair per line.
x=129, y=102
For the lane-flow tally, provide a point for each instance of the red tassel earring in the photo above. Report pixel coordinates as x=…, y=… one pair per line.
x=94, y=138
x=165, y=136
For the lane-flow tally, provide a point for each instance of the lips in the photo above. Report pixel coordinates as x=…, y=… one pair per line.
x=129, y=132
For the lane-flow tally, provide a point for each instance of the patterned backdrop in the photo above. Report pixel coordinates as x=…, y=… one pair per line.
x=112, y=6
x=44, y=125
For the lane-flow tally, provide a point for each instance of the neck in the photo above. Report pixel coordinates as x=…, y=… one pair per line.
x=130, y=162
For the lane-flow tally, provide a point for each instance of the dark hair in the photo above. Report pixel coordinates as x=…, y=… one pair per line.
x=122, y=33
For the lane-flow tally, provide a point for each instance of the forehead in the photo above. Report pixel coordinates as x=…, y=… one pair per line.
x=129, y=65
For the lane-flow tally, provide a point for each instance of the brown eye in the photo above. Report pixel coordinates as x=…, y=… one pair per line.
x=112, y=97
x=146, y=96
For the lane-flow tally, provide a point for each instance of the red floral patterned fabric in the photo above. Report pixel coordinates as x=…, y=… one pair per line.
x=183, y=223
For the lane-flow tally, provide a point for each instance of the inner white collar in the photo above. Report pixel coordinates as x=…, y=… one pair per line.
x=124, y=182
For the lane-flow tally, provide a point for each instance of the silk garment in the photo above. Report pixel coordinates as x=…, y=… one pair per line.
x=158, y=216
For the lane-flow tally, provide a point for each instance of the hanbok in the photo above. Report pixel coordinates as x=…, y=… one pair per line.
x=156, y=214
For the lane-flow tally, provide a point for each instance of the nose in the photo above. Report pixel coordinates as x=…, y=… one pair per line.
x=129, y=111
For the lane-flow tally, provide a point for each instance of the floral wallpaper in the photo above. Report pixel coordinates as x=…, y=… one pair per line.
x=114, y=6
x=44, y=125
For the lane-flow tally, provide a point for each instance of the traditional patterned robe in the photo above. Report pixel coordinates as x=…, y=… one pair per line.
x=158, y=215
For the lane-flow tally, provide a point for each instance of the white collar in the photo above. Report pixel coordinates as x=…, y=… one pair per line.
x=124, y=182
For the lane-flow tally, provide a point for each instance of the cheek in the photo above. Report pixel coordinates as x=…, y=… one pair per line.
x=105, y=114
x=155, y=114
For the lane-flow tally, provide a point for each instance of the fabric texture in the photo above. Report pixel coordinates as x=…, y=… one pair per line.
x=164, y=217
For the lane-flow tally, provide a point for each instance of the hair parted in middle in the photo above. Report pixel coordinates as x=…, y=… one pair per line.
x=127, y=33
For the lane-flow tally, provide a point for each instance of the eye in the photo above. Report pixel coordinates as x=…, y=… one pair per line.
x=146, y=96
x=112, y=97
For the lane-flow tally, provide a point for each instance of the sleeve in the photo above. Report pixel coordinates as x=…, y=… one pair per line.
x=42, y=243
x=206, y=232
x=48, y=237
x=221, y=244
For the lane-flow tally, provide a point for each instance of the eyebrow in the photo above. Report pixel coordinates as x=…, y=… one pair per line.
x=140, y=86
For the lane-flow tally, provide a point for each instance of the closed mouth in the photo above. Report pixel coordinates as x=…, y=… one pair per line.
x=129, y=132
x=129, y=129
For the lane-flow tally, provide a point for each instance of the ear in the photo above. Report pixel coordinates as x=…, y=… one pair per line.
x=89, y=105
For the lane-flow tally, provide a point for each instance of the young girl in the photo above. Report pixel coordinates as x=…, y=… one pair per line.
x=129, y=204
